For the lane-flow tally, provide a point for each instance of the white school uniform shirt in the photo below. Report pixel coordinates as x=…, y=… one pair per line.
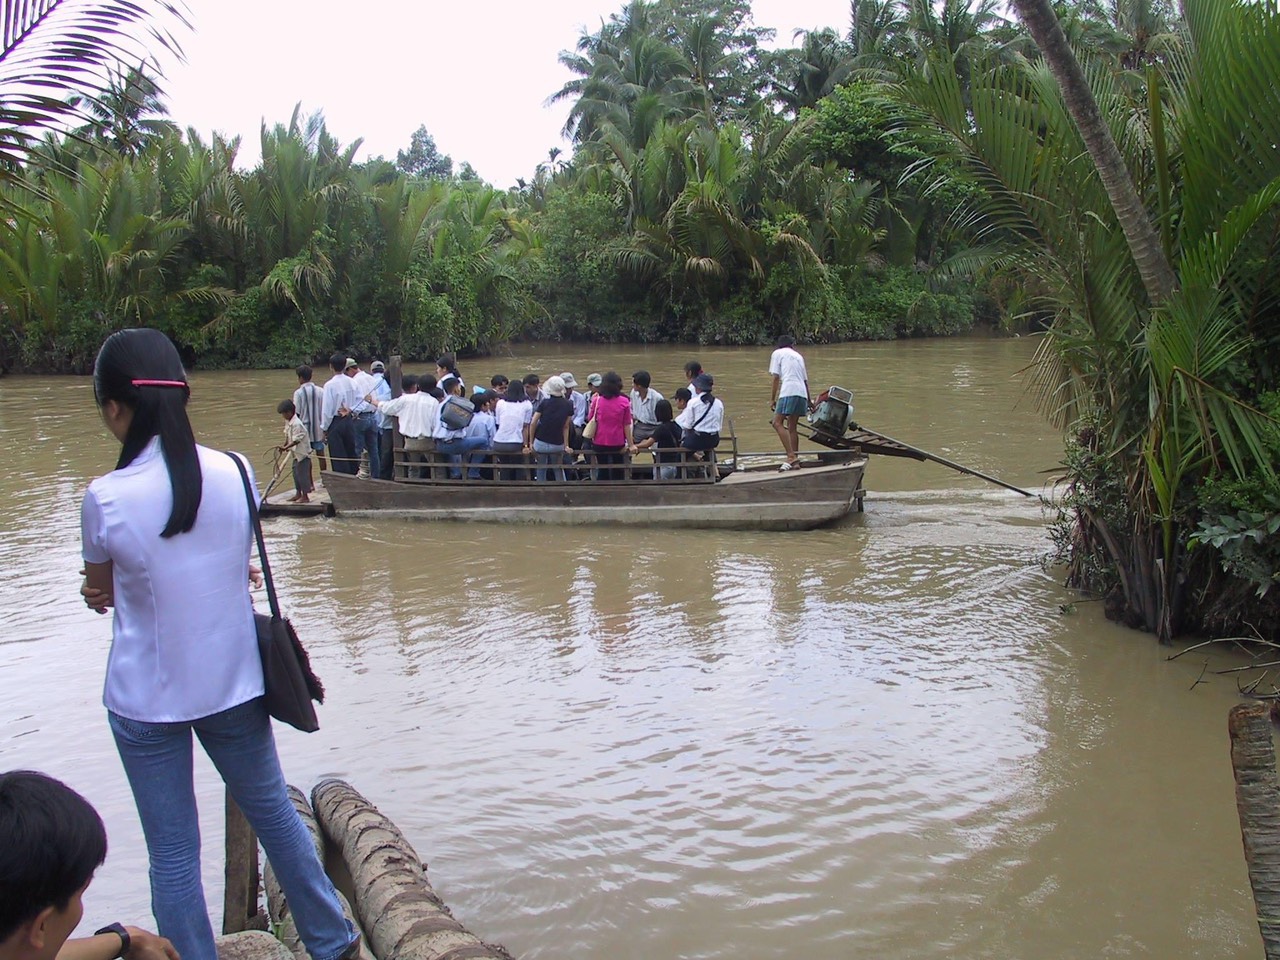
x=788, y=366
x=643, y=410
x=511, y=418
x=418, y=413
x=339, y=391
x=183, y=643
x=364, y=384
x=713, y=419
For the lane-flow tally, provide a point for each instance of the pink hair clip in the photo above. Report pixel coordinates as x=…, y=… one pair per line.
x=159, y=383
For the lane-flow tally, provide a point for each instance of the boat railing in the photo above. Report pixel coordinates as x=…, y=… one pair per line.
x=596, y=466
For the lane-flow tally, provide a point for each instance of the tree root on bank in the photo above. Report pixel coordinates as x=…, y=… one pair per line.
x=403, y=916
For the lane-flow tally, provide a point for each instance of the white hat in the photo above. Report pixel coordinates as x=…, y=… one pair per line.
x=555, y=386
x=568, y=379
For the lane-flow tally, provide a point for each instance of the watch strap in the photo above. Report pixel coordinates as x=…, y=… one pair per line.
x=119, y=930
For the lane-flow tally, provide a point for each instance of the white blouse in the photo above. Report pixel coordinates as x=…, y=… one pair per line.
x=511, y=419
x=183, y=639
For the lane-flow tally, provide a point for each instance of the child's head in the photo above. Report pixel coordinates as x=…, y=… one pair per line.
x=683, y=396
x=662, y=410
x=452, y=387
x=286, y=409
x=51, y=842
x=409, y=383
x=304, y=374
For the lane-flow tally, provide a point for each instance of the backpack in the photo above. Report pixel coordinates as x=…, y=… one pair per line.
x=456, y=412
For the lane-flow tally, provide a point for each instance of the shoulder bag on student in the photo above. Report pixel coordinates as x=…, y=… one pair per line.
x=290, y=684
x=589, y=430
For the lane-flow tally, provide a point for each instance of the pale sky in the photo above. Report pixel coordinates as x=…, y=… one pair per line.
x=476, y=73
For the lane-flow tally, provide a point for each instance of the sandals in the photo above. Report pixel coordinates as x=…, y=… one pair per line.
x=787, y=466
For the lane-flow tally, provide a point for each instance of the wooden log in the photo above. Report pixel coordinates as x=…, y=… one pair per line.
x=250, y=945
x=1253, y=761
x=240, y=908
x=278, y=904
x=403, y=916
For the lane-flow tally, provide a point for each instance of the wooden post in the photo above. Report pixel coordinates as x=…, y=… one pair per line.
x=395, y=373
x=240, y=910
x=1253, y=762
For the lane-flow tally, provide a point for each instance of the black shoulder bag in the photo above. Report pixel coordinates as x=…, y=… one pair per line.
x=287, y=677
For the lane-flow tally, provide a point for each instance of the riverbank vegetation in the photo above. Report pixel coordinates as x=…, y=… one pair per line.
x=1108, y=175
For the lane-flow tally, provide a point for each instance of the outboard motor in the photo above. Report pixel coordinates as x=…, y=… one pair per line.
x=834, y=412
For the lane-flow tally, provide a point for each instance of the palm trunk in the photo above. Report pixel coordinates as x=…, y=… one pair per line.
x=1253, y=761
x=402, y=914
x=1144, y=243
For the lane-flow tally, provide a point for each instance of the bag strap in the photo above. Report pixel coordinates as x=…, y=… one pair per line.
x=257, y=532
x=705, y=414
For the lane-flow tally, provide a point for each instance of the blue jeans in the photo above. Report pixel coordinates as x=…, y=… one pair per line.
x=367, y=440
x=550, y=457
x=157, y=761
x=454, y=449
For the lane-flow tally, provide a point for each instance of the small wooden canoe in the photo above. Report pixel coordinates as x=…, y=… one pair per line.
x=761, y=498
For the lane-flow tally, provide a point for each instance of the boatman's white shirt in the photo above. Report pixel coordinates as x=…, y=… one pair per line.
x=183, y=643
x=788, y=366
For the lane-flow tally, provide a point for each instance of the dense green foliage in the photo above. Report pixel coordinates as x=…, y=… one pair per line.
x=1171, y=475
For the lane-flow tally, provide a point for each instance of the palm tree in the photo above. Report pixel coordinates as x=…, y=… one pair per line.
x=1147, y=365
x=53, y=56
x=128, y=117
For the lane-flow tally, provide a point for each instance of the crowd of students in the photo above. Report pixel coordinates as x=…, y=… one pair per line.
x=512, y=429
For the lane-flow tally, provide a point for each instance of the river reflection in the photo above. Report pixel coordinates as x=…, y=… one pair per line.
x=882, y=739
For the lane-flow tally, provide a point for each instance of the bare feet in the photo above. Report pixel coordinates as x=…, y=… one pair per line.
x=303, y=499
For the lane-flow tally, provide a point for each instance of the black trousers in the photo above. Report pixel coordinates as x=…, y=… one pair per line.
x=342, y=445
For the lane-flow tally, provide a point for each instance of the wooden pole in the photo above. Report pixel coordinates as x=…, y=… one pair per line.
x=1253, y=762
x=395, y=373
x=402, y=914
x=240, y=910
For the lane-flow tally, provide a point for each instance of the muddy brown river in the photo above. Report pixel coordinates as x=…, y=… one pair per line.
x=896, y=738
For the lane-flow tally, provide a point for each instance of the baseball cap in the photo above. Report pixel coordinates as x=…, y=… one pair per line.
x=377, y=365
x=568, y=379
x=349, y=364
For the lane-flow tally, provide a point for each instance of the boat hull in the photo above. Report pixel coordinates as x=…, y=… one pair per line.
x=745, y=500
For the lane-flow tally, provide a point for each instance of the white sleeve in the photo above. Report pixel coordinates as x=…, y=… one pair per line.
x=93, y=530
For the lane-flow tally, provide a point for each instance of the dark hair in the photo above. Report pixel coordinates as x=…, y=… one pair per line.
x=448, y=363
x=642, y=378
x=611, y=384
x=786, y=340
x=139, y=369
x=286, y=406
x=685, y=394
x=435, y=392
x=662, y=410
x=479, y=399
x=498, y=380
x=450, y=384
x=338, y=361
x=408, y=382
x=531, y=380
x=304, y=373
x=427, y=382
x=51, y=841
x=692, y=369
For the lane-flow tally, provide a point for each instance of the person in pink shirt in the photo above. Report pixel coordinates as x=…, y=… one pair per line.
x=613, y=427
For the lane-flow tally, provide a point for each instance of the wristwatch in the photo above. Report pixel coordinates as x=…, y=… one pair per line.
x=119, y=930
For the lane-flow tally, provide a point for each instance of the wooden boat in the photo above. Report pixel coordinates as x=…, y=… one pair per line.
x=739, y=494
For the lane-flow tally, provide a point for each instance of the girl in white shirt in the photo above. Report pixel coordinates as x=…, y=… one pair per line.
x=167, y=536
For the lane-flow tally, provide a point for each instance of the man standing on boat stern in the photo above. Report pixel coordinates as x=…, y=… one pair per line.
x=790, y=398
